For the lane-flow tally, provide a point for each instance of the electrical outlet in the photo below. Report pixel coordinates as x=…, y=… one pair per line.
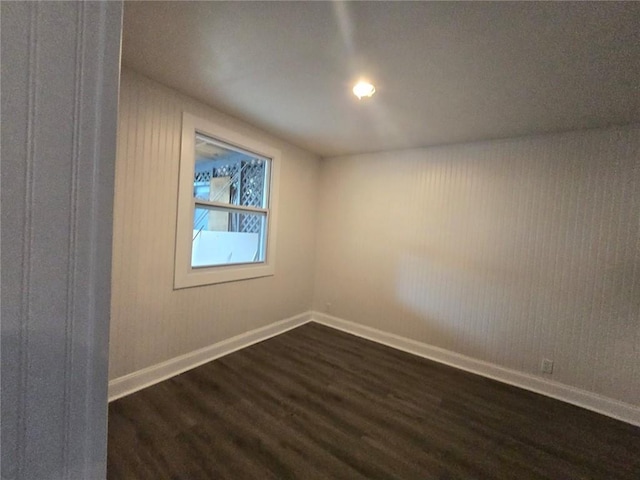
x=327, y=307
x=546, y=366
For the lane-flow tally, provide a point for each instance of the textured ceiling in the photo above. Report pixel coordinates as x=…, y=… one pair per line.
x=444, y=72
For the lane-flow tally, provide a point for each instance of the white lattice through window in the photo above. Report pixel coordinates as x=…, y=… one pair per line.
x=227, y=191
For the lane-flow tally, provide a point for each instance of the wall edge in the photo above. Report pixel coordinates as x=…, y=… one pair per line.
x=582, y=398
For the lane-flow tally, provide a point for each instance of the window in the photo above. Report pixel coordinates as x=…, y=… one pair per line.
x=227, y=201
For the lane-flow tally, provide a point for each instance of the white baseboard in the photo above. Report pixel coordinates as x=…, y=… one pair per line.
x=582, y=398
x=146, y=377
x=122, y=386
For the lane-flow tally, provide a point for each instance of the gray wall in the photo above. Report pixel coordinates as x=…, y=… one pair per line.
x=507, y=252
x=151, y=322
x=60, y=68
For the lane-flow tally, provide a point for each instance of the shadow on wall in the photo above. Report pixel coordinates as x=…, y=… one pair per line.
x=467, y=308
x=508, y=252
x=514, y=318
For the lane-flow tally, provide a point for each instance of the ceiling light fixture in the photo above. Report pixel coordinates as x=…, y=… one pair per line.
x=363, y=89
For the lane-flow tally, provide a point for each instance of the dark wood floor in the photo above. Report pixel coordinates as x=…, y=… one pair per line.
x=316, y=403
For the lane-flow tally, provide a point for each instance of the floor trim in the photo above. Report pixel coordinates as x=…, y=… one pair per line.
x=146, y=377
x=582, y=398
x=122, y=386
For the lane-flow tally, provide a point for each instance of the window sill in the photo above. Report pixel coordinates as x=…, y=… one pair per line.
x=196, y=277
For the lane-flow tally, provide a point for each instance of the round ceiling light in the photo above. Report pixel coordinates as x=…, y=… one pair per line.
x=363, y=89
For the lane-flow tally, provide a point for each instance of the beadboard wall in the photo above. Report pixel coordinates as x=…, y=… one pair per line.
x=60, y=72
x=506, y=251
x=151, y=322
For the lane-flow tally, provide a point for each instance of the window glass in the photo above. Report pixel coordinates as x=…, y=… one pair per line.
x=227, y=205
x=224, y=174
x=218, y=240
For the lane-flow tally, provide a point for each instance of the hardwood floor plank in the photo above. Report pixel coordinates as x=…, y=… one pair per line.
x=317, y=403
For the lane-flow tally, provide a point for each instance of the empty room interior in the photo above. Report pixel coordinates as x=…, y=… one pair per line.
x=480, y=209
x=374, y=240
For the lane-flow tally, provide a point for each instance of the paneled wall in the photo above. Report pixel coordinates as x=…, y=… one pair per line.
x=150, y=321
x=60, y=72
x=507, y=251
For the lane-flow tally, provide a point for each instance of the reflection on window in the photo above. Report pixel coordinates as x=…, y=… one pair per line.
x=227, y=214
x=230, y=194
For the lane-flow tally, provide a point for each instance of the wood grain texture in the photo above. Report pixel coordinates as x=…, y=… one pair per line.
x=319, y=403
x=506, y=251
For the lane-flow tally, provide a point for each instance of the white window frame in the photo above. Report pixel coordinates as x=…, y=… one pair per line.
x=184, y=274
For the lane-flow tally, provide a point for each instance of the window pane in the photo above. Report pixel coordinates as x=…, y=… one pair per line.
x=226, y=174
x=224, y=236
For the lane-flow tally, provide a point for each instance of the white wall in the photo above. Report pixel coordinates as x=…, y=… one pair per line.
x=60, y=71
x=505, y=251
x=150, y=321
